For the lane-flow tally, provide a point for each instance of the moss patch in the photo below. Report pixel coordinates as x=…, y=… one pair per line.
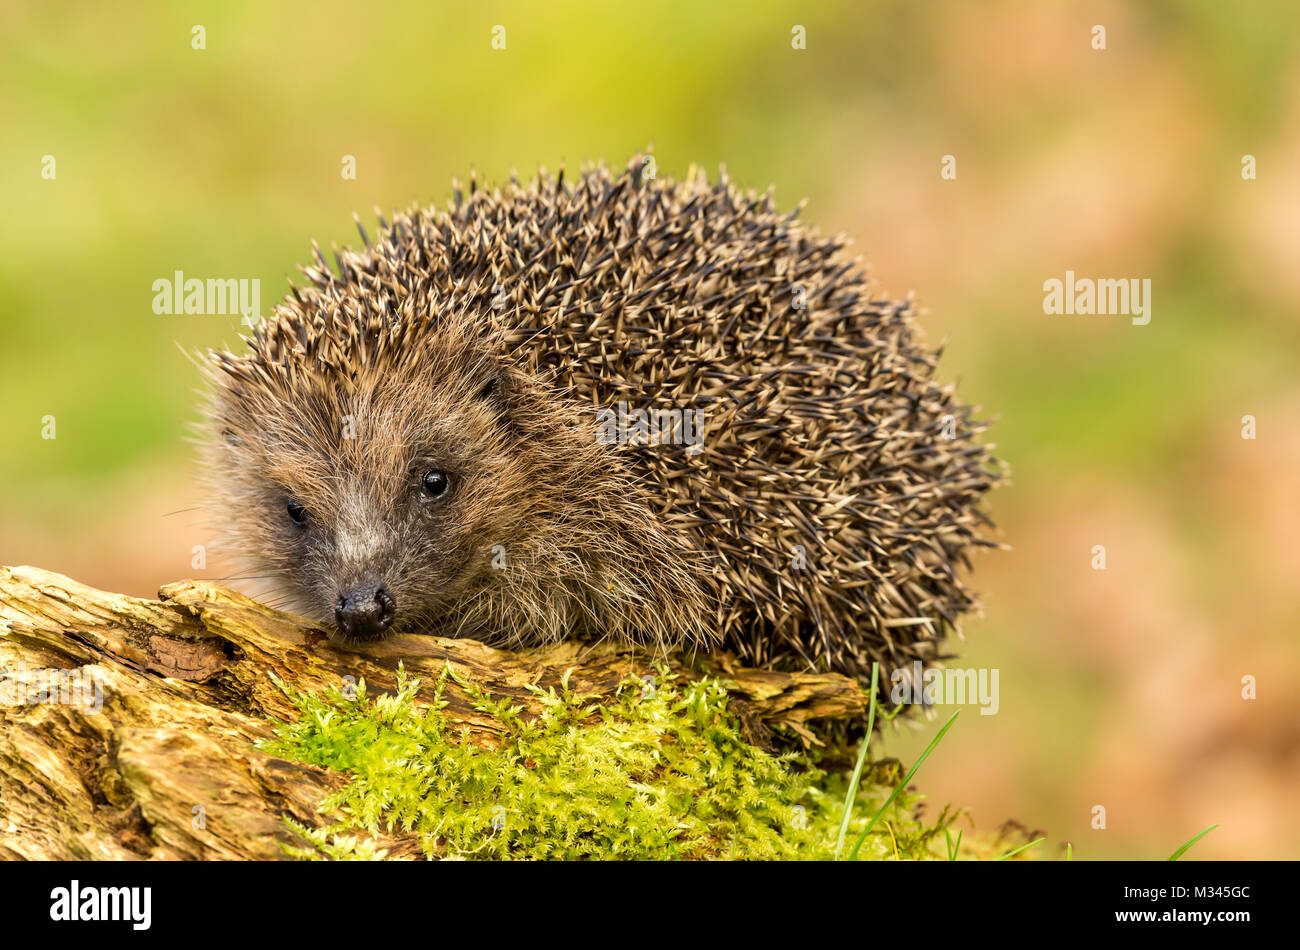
x=660, y=773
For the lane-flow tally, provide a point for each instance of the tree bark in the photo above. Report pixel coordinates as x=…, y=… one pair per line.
x=166, y=767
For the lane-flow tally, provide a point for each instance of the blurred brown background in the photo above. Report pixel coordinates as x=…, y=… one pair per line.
x=1119, y=688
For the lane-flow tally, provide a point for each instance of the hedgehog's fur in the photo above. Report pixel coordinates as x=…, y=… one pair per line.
x=822, y=526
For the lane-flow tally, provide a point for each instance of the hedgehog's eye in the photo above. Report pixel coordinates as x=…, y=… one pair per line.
x=434, y=484
x=297, y=512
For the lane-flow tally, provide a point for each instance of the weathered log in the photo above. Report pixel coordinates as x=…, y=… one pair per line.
x=127, y=726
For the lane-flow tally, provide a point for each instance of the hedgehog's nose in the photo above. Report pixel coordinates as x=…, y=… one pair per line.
x=365, y=612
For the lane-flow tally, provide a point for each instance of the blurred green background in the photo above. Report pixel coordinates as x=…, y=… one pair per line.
x=1121, y=687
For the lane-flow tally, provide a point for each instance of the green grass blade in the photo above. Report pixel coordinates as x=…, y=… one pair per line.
x=857, y=771
x=901, y=785
x=1014, y=851
x=1183, y=850
x=953, y=849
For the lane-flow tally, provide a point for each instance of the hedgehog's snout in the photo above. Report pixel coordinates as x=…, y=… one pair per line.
x=365, y=612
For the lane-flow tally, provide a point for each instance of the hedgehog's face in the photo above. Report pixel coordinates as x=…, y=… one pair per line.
x=373, y=512
x=371, y=552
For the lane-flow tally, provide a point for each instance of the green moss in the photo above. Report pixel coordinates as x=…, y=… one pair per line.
x=661, y=772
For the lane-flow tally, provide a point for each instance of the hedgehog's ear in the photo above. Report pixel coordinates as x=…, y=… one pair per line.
x=495, y=391
x=495, y=388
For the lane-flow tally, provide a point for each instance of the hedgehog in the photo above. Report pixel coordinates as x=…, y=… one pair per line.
x=656, y=411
